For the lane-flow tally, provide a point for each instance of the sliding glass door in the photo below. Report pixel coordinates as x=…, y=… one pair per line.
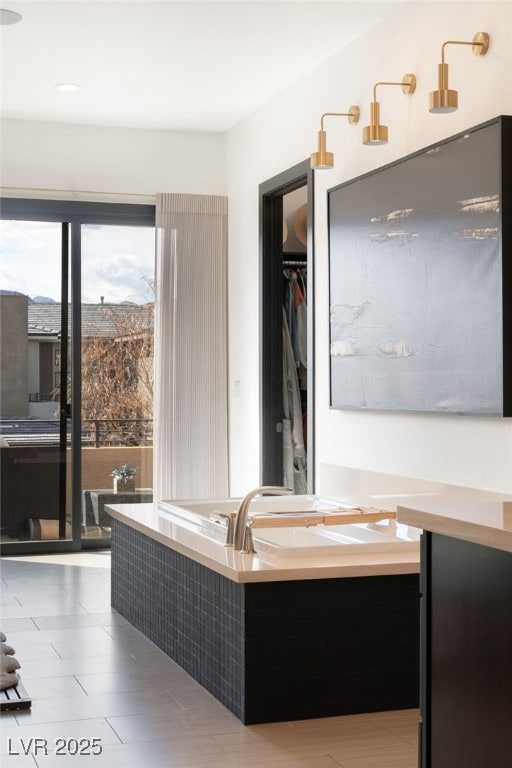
x=76, y=316
x=34, y=406
x=117, y=311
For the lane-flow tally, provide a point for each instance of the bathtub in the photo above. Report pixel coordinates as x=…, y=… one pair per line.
x=318, y=540
x=319, y=622
x=339, y=539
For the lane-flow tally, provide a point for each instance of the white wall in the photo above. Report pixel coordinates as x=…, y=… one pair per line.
x=469, y=451
x=104, y=159
x=460, y=450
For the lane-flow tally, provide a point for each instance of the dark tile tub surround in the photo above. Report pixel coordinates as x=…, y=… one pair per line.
x=272, y=651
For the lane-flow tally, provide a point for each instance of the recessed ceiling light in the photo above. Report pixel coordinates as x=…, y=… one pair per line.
x=9, y=17
x=67, y=87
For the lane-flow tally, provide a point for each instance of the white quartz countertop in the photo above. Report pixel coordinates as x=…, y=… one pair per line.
x=482, y=522
x=239, y=567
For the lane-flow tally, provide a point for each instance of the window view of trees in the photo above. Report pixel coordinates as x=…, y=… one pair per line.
x=117, y=376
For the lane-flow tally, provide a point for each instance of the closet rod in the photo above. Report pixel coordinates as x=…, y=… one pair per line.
x=295, y=263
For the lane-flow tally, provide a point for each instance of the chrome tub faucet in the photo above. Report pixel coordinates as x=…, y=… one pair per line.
x=242, y=515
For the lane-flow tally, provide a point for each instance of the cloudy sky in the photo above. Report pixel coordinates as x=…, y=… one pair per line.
x=117, y=262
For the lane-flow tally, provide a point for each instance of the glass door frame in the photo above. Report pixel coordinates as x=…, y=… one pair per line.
x=73, y=214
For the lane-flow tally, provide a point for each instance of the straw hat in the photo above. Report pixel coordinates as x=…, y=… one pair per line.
x=300, y=224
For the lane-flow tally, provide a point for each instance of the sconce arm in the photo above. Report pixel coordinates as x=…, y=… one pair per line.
x=353, y=116
x=480, y=44
x=408, y=84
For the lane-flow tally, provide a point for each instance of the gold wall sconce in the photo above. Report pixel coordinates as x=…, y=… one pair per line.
x=375, y=133
x=444, y=100
x=322, y=159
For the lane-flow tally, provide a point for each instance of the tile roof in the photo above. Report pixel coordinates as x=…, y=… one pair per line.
x=97, y=319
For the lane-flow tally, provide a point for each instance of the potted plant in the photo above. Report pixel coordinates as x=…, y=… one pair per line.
x=124, y=478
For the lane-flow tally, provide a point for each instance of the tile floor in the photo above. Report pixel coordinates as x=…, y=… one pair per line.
x=92, y=676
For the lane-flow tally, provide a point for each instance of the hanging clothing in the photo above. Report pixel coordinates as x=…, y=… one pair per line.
x=294, y=452
x=291, y=315
x=296, y=314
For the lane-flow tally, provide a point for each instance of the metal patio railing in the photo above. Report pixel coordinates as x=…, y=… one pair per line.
x=95, y=432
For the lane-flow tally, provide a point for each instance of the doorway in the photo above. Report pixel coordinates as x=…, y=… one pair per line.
x=62, y=342
x=273, y=258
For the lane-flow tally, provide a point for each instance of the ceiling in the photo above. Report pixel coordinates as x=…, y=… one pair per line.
x=193, y=65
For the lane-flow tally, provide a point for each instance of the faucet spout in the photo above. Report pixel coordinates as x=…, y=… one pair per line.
x=243, y=510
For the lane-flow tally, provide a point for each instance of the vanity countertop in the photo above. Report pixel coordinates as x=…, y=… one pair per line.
x=239, y=567
x=488, y=523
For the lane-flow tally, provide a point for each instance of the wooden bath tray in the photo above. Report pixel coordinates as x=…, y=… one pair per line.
x=321, y=517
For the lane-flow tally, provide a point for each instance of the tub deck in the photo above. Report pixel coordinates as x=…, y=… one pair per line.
x=188, y=537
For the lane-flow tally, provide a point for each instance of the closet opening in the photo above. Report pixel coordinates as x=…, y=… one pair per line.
x=287, y=329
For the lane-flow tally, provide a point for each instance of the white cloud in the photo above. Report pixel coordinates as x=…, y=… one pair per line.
x=116, y=261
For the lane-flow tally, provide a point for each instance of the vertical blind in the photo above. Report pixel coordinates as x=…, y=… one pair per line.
x=191, y=356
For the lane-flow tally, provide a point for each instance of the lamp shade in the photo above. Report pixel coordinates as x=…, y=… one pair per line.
x=443, y=100
x=322, y=159
x=375, y=133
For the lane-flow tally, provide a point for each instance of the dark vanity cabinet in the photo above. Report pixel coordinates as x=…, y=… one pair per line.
x=466, y=654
